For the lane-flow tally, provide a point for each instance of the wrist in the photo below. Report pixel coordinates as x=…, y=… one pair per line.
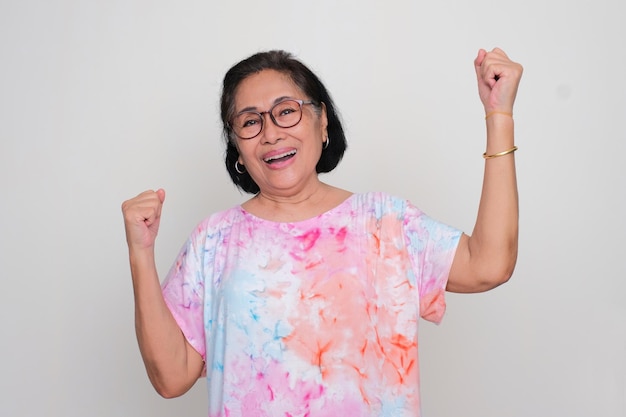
x=500, y=123
x=500, y=134
x=496, y=113
x=141, y=255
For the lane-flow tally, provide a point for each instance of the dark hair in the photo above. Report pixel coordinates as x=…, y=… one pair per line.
x=307, y=81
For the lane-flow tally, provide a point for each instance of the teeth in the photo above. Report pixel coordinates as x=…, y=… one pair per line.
x=282, y=155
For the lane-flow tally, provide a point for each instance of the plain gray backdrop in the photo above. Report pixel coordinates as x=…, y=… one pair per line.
x=100, y=100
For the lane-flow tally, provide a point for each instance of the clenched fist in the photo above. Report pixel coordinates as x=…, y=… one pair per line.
x=142, y=216
x=498, y=79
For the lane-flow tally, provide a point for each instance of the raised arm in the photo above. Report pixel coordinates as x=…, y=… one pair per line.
x=173, y=366
x=487, y=258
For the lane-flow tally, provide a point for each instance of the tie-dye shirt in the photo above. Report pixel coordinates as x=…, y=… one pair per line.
x=316, y=318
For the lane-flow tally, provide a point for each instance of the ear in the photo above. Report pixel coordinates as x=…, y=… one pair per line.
x=324, y=121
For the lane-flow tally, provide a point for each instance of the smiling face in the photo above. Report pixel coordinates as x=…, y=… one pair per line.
x=280, y=160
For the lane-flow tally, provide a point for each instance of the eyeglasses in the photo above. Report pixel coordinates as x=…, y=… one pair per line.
x=286, y=113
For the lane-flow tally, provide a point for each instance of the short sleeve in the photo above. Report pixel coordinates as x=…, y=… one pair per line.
x=432, y=246
x=183, y=291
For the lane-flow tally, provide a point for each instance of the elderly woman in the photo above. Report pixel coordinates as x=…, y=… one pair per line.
x=305, y=299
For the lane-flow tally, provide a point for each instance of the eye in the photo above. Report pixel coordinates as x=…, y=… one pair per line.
x=249, y=123
x=286, y=108
x=246, y=120
x=286, y=111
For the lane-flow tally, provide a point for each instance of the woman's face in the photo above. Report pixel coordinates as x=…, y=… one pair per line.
x=280, y=160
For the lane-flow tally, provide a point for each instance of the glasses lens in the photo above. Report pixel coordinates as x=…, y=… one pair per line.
x=247, y=124
x=287, y=113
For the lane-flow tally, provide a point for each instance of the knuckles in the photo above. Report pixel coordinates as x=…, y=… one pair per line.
x=146, y=202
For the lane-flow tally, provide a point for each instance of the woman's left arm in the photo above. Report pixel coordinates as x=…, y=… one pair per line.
x=487, y=258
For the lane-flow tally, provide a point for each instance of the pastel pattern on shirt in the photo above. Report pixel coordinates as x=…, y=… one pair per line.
x=313, y=318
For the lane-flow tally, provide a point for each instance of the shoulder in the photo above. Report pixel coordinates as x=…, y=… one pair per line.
x=216, y=223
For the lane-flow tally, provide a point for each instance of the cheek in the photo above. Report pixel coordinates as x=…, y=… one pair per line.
x=315, y=127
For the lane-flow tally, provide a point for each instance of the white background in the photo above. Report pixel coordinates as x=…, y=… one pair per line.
x=100, y=100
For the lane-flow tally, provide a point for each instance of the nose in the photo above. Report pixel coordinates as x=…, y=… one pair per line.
x=270, y=132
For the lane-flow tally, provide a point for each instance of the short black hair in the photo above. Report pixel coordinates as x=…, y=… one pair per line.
x=307, y=81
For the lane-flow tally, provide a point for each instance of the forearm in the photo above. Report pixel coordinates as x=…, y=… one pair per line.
x=161, y=342
x=493, y=243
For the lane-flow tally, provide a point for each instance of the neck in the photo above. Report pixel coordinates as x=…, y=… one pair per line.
x=297, y=207
x=290, y=203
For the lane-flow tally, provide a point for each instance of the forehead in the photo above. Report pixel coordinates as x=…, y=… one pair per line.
x=260, y=90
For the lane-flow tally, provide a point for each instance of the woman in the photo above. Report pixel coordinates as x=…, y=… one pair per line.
x=305, y=299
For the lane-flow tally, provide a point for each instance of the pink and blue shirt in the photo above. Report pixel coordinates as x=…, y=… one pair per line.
x=317, y=318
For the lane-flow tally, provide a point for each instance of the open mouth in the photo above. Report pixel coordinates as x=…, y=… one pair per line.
x=279, y=157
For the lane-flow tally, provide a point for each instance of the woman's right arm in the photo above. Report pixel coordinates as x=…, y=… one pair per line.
x=173, y=366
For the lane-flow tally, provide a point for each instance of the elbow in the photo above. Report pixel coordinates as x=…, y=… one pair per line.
x=169, y=387
x=168, y=391
x=496, y=265
x=168, y=395
x=492, y=272
x=173, y=378
x=496, y=279
x=481, y=279
x=498, y=274
x=481, y=269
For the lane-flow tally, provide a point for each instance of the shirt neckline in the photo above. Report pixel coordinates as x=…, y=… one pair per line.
x=256, y=218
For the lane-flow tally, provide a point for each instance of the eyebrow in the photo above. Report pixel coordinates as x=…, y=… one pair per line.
x=254, y=109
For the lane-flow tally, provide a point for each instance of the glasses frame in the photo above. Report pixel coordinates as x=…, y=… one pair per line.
x=272, y=118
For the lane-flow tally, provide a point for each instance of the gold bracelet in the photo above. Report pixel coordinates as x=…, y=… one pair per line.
x=491, y=113
x=495, y=155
